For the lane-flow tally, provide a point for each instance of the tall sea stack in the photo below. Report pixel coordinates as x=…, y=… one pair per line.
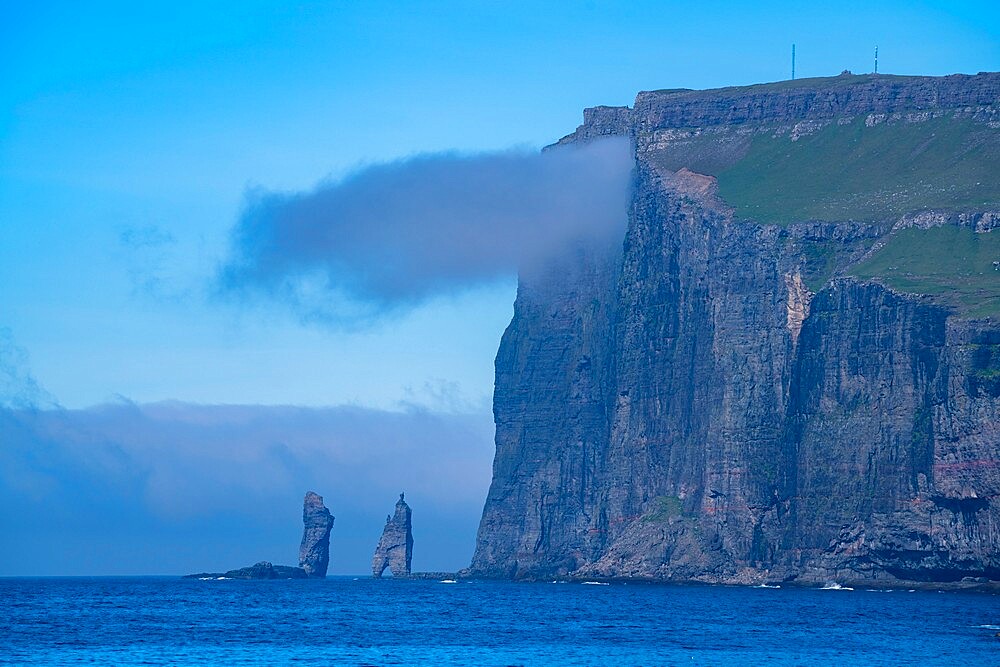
x=788, y=369
x=314, y=552
x=395, y=549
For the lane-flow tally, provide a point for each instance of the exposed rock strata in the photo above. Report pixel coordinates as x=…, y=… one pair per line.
x=314, y=552
x=685, y=407
x=395, y=549
x=794, y=102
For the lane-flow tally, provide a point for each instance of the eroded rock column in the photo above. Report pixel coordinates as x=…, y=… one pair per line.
x=314, y=552
x=395, y=549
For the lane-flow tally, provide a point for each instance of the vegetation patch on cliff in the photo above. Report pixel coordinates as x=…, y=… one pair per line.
x=866, y=170
x=985, y=374
x=664, y=508
x=820, y=263
x=954, y=265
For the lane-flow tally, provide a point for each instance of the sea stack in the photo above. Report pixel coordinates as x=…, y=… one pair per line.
x=395, y=549
x=314, y=553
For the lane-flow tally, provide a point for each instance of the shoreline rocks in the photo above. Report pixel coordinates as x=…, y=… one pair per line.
x=261, y=570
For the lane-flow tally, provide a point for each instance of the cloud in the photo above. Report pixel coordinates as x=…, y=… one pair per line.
x=150, y=255
x=175, y=487
x=142, y=237
x=394, y=234
x=18, y=387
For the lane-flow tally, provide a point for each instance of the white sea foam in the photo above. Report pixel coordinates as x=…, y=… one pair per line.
x=596, y=583
x=834, y=586
x=448, y=581
x=767, y=586
x=988, y=627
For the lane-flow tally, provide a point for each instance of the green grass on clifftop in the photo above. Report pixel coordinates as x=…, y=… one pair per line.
x=855, y=172
x=953, y=265
x=843, y=80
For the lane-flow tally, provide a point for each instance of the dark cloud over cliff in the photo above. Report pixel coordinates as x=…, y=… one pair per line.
x=174, y=487
x=393, y=234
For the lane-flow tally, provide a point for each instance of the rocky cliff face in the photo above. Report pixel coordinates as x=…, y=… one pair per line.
x=719, y=400
x=395, y=549
x=314, y=552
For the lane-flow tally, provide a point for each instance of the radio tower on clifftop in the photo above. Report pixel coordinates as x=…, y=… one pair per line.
x=876, y=58
x=793, y=62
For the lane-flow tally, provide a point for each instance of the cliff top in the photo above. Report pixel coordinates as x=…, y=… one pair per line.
x=894, y=151
x=843, y=80
x=792, y=100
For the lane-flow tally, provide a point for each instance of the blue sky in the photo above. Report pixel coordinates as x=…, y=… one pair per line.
x=131, y=133
x=117, y=118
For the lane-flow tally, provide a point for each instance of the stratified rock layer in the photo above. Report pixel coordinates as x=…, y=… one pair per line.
x=395, y=549
x=684, y=407
x=314, y=552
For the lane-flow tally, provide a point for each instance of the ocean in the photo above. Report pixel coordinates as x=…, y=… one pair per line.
x=360, y=621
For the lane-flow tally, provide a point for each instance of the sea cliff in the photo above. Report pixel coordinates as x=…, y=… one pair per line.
x=789, y=369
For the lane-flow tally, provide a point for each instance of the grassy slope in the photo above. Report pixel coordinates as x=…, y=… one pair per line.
x=854, y=172
x=953, y=265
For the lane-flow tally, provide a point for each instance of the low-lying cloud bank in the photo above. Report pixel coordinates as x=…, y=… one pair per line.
x=174, y=487
x=391, y=235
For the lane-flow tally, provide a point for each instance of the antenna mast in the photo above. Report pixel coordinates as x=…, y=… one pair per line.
x=793, y=62
x=876, y=58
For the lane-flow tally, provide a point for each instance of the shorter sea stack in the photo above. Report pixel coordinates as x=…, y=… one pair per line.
x=395, y=549
x=314, y=552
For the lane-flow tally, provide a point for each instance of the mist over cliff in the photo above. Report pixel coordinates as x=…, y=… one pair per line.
x=789, y=369
x=390, y=235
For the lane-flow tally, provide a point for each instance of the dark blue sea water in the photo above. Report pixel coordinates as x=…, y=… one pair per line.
x=346, y=621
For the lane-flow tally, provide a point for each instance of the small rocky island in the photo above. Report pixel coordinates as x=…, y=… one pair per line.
x=395, y=549
x=314, y=552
